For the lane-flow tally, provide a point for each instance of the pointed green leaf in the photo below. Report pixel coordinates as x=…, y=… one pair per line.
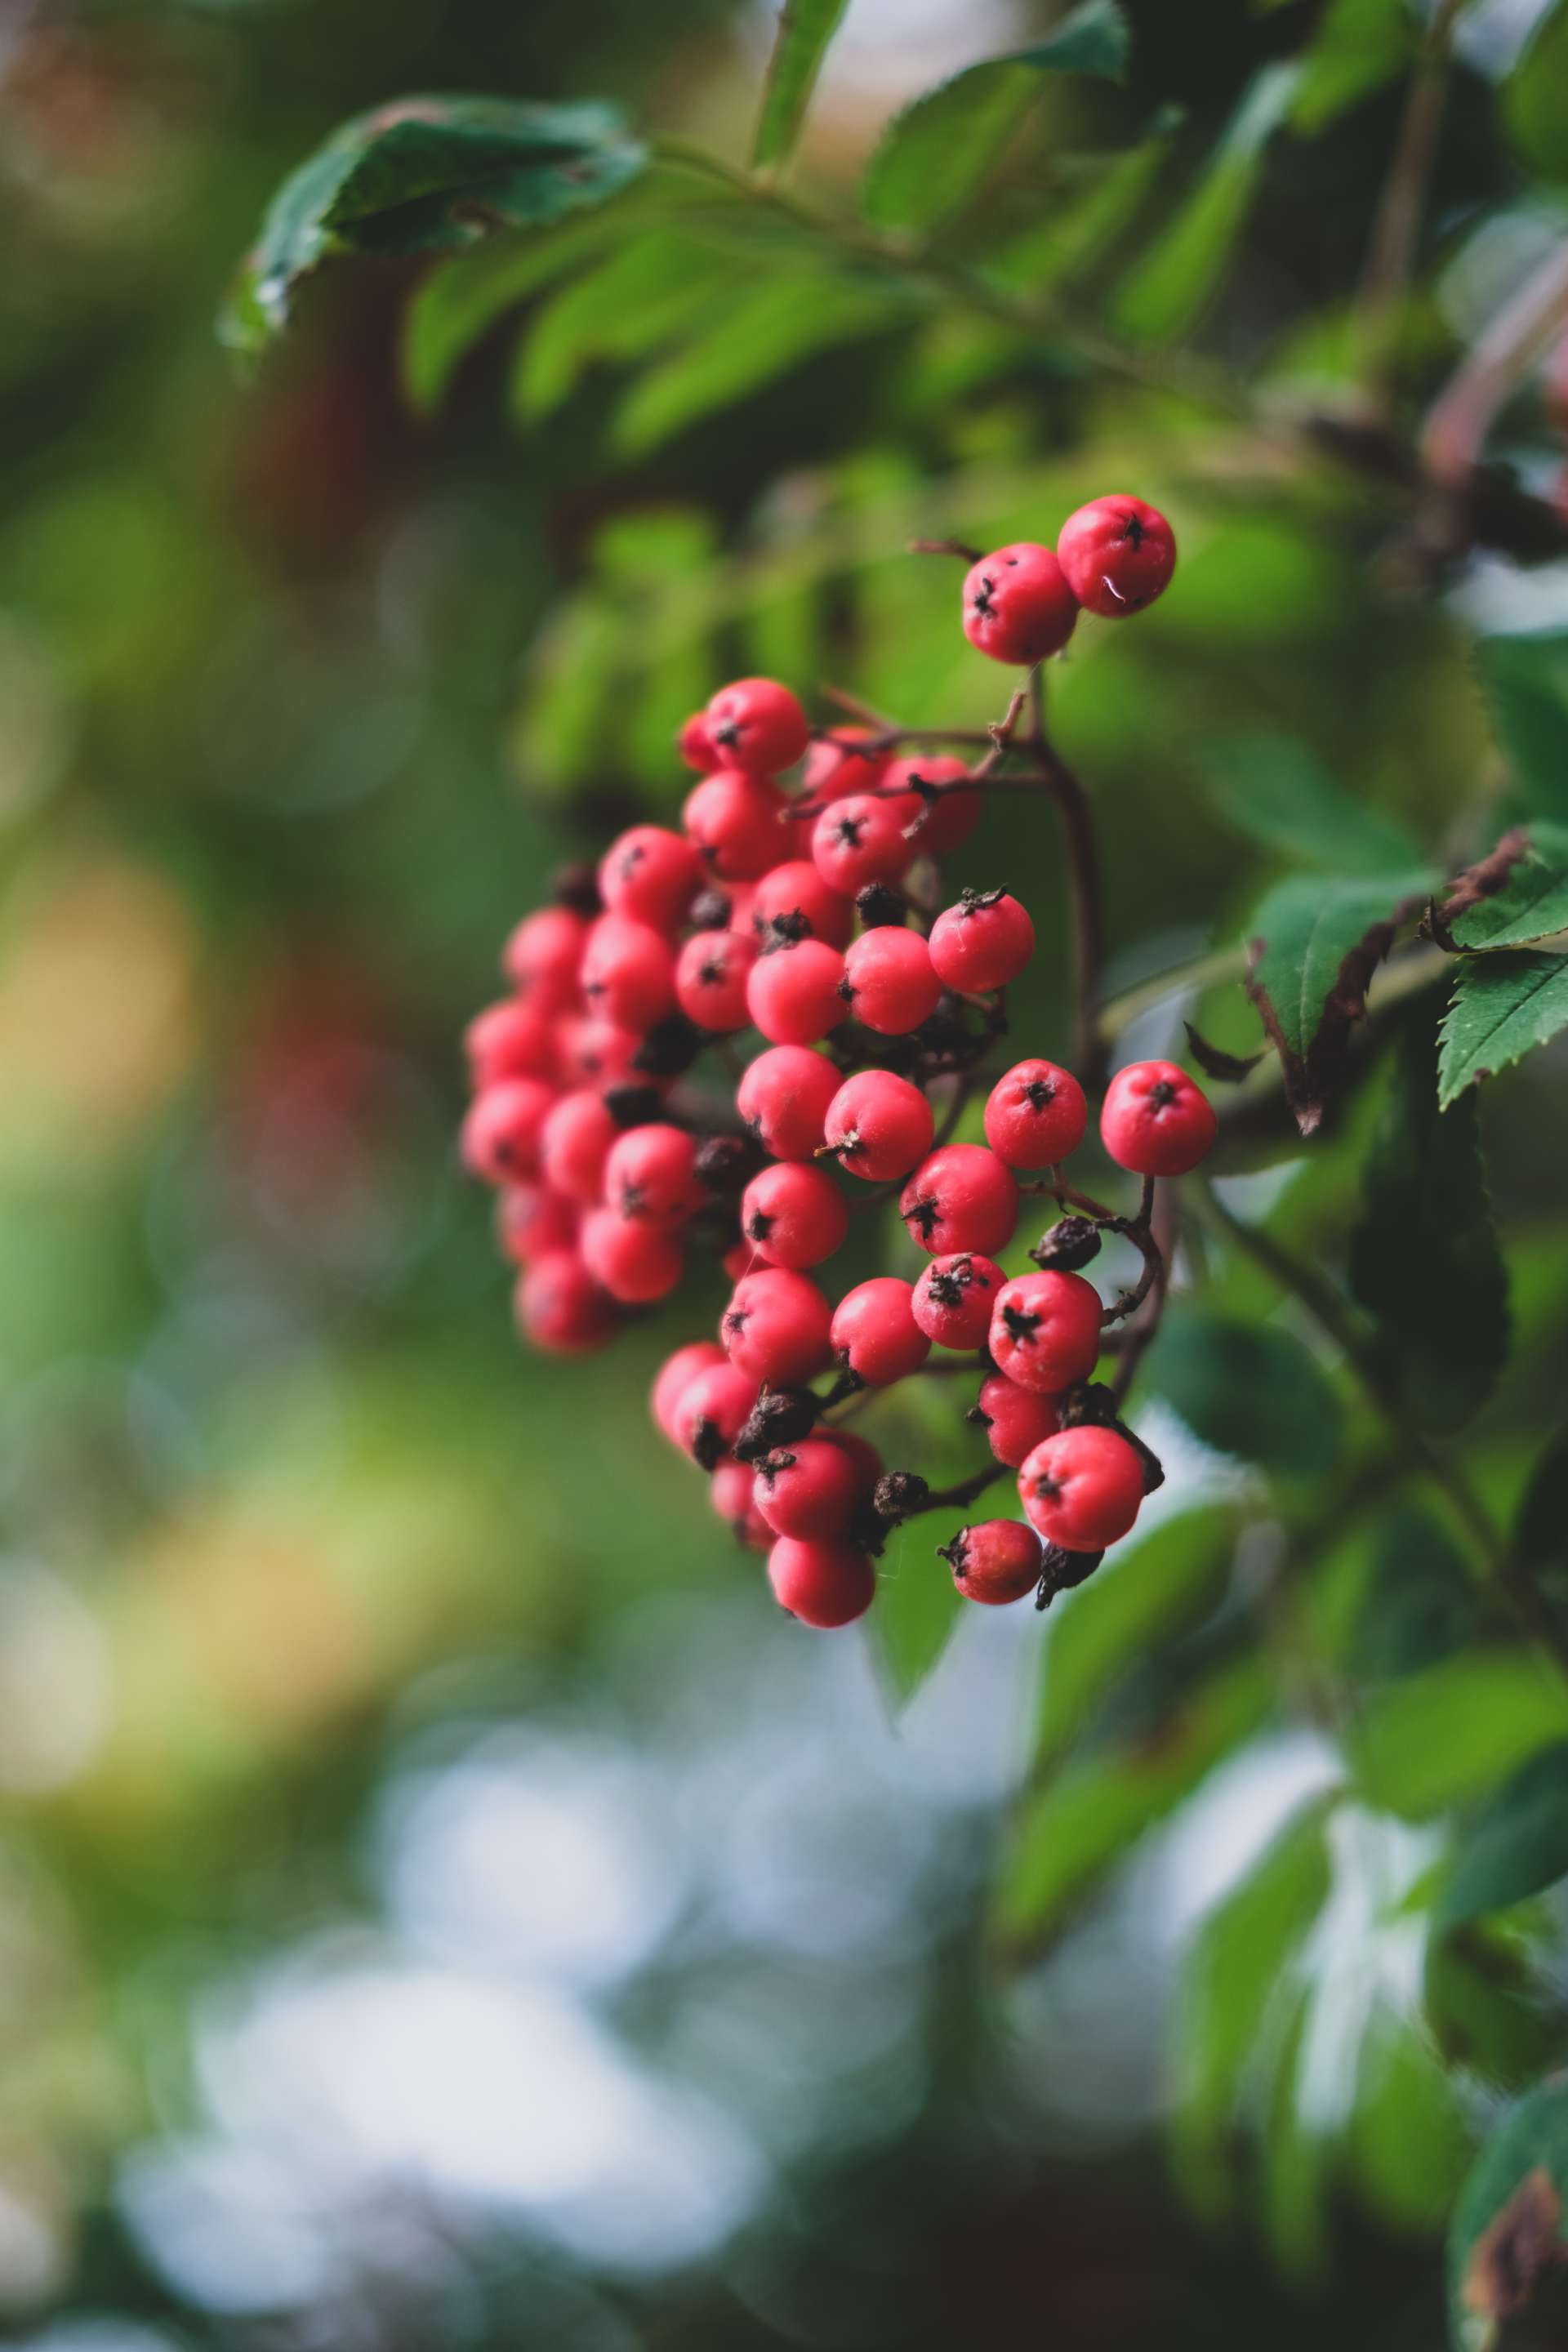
x=1455, y=1731
x=1277, y=792
x=1514, y=897
x=460, y=303
x=1359, y=46
x=1535, y=97
x=1077, y=228
x=1508, y=2240
x=1502, y=1005
x=917, y=1608
x=651, y=291
x=805, y=28
x=1248, y=1389
x=1314, y=945
x=1516, y=1845
x=1525, y=683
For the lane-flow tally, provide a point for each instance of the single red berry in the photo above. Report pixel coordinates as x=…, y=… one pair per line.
x=1045, y=1331
x=1118, y=555
x=784, y=1099
x=889, y=981
x=651, y=875
x=867, y=1462
x=995, y=1562
x=1017, y=605
x=710, y=1412
x=793, y=1215
x=632, y=1258
x=982, y=943
x=532, y=1222
x=874, y=1332
x=711, y=975
x=596, y=1051
x=758, y=725
x=792, y=992
x=696, y=745
x=794, y=902
x=1035, y=1115
x=961, y=1198
x=628, y=972
x=841, y=763
x=861, y=839
x=650, y=1175
x=1082, y=1488
x=574, y=1143
x=542, y=956
x=501, y=1131
x=1014, y=1420
x=561, y=1307
x=675, y=1376
x=807, y=1489
x=776, y=1327
x=878, y=1126
x=1156, y=1122
x=737, y=825
x=742, y=897
x=947, y=815
x=515, y=1039
x=953, y=1298
x=823, y=1584
x=730, y=1494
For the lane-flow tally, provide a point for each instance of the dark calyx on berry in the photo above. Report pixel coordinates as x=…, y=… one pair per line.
x=880, y=906
x=577, y=887
x=779, y=1417
x=725, y=1164
x=669, y=1048
x=1069, y=1245
x=631, y=1105
x=1060, y=1570
x=956, y=1553
x=711, y=910
x=901, y=1493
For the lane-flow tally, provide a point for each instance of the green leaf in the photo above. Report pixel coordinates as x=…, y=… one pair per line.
x=1503, y=1007
x=1508, y=2244
x=1250, y=1390
x=1455, y=1731
x=1314, y=945
x=1149, y=1587
x=1489, y=2000
x=1525, y=683
x=1275, y=791
x=1420, y=1604
x=460, y=303
x=934, y=155
x=1424, y=1260
x=1359, y=46
x=1535, y=97
x=918, y=1607
x=1540, y=1544
x=1516, y=1845
x=423, y=173
x=1166, y=291
x=805, y=28
x=1514, y=897
x=1407, y=2144
x=1077, y=228
x=654, y=290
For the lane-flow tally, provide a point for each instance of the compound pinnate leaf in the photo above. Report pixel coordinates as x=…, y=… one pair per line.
x=1503, y=1007
x=1512, y=897
x=805, y=28
x=1508, y=2240
x=1314, y=945
x=1516, y=1845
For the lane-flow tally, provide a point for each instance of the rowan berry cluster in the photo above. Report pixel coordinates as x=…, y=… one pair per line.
x=813, y=916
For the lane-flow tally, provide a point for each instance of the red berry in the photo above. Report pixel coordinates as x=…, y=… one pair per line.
x=711, y=975
x=651, y=875
x=737, y=825
x=1017, y=605
x=996, y=1562
x=595, y=1051
x=840, y=763
x=867, y=1462
x=632, y=1258
x=1117, y=555
x=730, y=1494
x=696, y=745
x=1156, y=1122
x=982, y=943
x=792, y=992
x=561, y=1307
x=628, y=972
x=795, y=902
x=1083, y=1488
x=710, y=1412
x=776, y=1327
x=878, y=1126
x=1036, y=1115
x=648, y=1175
x=784, y=1099
x=793, y=1215
x=675, y=1376
x=1014, y=1420
x=532, y=1222
x=807, y=1489
x=515, y=1039
x=946, y=820
x=961, y=1198
x=889, y=983
x=1045, y=1331
x=875, y=1335
x=501, y=1131
x=758, y=725
x=543, y=954
x=861, y=839
x=823, y=1584
x=953, y=1298
x=574, y=1143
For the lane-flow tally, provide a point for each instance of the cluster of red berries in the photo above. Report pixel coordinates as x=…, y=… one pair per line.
x=797, y=916
x=1112, y=558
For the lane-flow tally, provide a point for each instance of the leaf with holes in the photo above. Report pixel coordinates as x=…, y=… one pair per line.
x=1503, y=1007
x=805, y=28
x=1314, y=946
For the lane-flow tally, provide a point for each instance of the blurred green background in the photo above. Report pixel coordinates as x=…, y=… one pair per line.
x=441, y=1902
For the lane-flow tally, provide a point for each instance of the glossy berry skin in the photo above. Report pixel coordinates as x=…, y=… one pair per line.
x=794, y=898
x=710, y=1412
x=1035, y=1115
x=776, y=1327
x=839, y=763
x=1014, y=1420
x=737, y=825
x=878, y=1126
x=574, y=1143
x=650, y=1175
x=696, y=745
x=532, y=1222
x=757, y=726
x=1045, y=1331
x=961, y=1198
x=867, y=1461
x=875, y=1335
x=954, y=1297
x=1156, y=1122
x=861, y=839
x=808, y=1489
x=711, y=975
x=632, y=1258
x=500, y=1134
x=793, y=1215
x=1017, y=605
x=514, y=1039
x=784, y=1099
x=888, y=983
x=652, y=875
x=560, y=1308
x=996, y=1562
x=674, y=1377
x=597, y=1052
x=823, y=1584
x=1118, y=555
x=792, y=992
x=730, y=1494
x=1083, y=1488
x=946, y=822
x=628, y=972
x=982, y=943
x=542, y=956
